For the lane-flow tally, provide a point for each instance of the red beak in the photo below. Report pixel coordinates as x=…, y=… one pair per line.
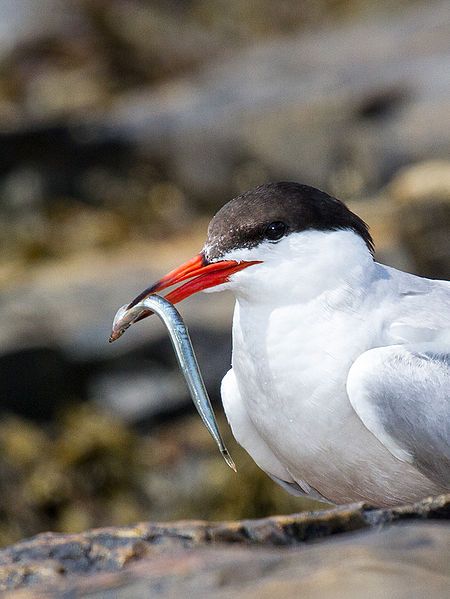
x=203, y=275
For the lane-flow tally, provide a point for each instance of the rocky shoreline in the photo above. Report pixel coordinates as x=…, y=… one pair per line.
x=169, y=559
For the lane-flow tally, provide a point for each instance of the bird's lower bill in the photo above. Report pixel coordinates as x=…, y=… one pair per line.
x=201, y=274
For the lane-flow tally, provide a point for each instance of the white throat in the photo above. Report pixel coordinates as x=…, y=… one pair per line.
x=302, y=267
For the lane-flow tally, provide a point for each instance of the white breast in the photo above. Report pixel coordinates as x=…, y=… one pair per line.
x=291, y=365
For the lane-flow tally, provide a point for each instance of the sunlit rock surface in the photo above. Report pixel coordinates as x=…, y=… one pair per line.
x=422, y=196
x=342, y=106
x=401, y=552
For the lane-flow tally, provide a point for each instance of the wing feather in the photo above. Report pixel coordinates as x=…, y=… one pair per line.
x=402, y=395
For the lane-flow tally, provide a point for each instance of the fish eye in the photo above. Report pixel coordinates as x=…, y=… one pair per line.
x=275, y=231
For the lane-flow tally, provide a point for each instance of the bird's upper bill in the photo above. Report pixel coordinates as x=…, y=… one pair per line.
x=201, y=274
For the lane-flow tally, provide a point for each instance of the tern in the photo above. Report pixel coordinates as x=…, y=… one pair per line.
x=340, y=380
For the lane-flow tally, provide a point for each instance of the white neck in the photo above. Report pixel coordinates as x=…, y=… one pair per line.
x=332, y=265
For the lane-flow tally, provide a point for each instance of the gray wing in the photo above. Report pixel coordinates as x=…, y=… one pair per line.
x=402, y=395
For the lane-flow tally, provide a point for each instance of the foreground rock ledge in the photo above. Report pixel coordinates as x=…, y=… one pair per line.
x=267, y=556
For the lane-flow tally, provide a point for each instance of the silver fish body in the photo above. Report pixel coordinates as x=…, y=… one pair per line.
x=184, y=351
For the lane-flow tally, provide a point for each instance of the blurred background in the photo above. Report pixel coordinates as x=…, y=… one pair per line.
x=124, y=125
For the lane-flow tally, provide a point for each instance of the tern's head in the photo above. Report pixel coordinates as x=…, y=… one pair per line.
x=266, y=238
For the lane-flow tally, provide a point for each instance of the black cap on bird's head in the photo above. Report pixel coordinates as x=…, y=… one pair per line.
x=265, y=214
x=274, y=210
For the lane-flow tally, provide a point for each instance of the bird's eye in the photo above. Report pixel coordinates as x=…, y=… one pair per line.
x=275, y=231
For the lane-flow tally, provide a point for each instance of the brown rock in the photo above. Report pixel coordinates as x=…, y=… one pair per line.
x=422, y=195
x=267, y=556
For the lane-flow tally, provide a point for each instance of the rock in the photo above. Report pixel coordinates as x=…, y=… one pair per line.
x=66, y=308
x=143, y=392
x=422, y=196
x=339, y=108
x=406, y=562
x=395, y=556
x=28, y=373
x=67, y=303
x=382, y=216
x=24, y=21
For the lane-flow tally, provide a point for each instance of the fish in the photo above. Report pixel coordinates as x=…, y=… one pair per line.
x=184, y=352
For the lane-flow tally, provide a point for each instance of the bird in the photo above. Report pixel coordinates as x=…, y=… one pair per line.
x=339, y=387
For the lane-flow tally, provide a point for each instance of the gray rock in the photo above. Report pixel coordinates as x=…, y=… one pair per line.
x=23, y=21
x=66, y=309
x=421, y=194
x=408, y=562
x=34, y=380
x=146, y=392
x=342, y=107
x=394, y=557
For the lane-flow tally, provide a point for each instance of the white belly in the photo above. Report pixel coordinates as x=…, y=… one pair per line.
x=291, y=379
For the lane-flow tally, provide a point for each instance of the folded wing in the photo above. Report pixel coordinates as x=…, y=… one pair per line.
x=402, y=395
